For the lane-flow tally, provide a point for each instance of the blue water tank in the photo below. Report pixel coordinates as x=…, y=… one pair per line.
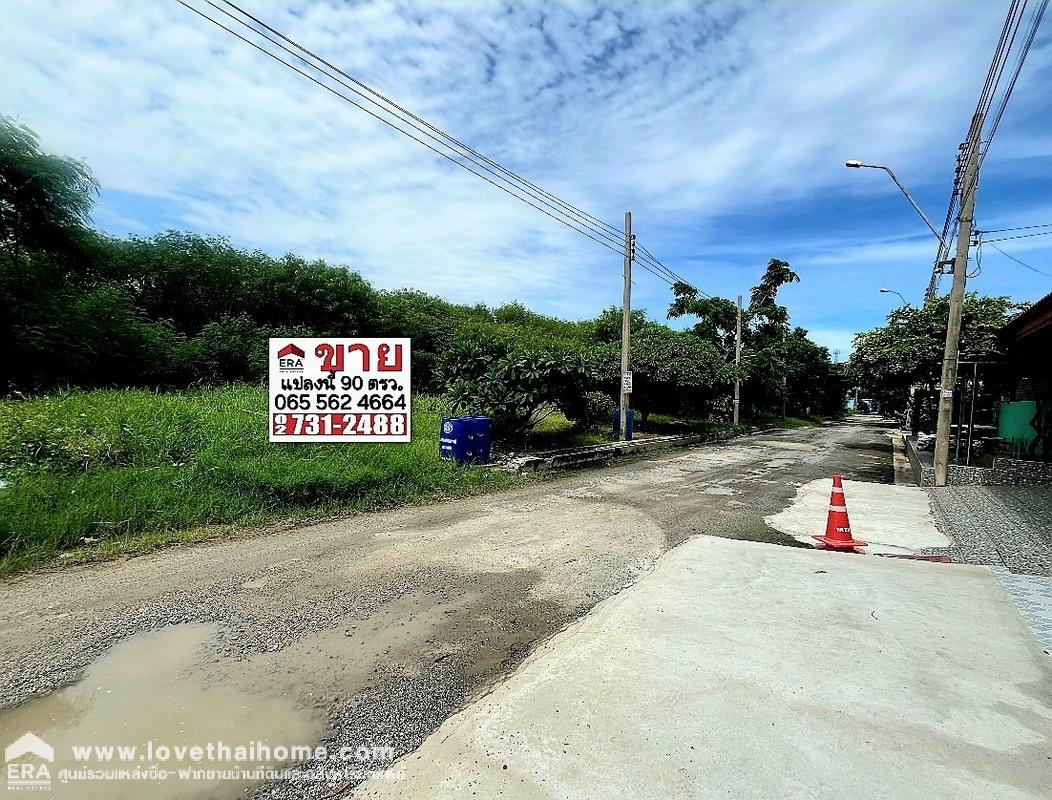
x=465, y=440
x=631, y=417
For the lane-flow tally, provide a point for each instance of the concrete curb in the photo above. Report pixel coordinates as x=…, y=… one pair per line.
x=600, y=453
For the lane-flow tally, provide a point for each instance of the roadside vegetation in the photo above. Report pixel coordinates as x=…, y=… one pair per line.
x=134, y=371
x=137, y=468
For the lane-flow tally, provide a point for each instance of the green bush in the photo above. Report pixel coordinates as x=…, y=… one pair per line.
x=597, y=411
x=513, y=380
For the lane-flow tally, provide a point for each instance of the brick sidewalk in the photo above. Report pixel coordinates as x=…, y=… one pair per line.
x=1009, y=529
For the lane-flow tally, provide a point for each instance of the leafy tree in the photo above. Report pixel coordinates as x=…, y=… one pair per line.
x=673, y=372
x=517, y=315
x=717, y=317
x=230, y=349
x=814, y=385
x=762, y=298
x=777, y=363
x=432, y=324
x=606, y=328
x=907, y=351
x=45, y=200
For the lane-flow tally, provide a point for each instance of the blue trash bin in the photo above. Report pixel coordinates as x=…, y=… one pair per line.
x=465, y=440
x=631, y=416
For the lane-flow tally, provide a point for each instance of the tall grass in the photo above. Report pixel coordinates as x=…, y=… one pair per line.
x=108, y=467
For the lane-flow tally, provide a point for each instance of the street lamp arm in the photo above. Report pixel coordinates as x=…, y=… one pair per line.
x=905, y=302
x=916, y=207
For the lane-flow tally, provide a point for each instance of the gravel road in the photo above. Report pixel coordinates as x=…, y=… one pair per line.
x=377, y=627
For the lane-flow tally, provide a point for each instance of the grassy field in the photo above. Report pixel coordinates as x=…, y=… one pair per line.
x=105, y=472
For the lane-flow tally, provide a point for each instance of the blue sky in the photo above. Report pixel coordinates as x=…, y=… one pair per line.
x=723, y=127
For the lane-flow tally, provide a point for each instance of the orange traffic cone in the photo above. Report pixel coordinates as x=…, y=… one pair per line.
x=838, y=526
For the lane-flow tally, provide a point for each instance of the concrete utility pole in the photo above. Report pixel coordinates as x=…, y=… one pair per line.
x=953, y=328
x=626, y=327
x=738, y=362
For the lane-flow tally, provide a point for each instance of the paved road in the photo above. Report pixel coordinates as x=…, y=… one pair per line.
x=373, y=630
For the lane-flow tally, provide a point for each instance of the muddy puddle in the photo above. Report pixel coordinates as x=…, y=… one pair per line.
x=155, y=696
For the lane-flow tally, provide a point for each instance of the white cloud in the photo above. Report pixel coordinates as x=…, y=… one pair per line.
x=681, y=111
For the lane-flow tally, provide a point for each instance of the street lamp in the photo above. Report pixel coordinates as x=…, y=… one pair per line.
x=917, y=208
x=892, y=291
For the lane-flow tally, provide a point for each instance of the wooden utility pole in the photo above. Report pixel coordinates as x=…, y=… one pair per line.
x=626, y=327
x=738, y=362
x=953, y=328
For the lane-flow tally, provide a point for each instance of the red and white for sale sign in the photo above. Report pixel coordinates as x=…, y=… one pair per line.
x=339, y=390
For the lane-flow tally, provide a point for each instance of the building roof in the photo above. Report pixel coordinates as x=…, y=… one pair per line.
x=1036, y=319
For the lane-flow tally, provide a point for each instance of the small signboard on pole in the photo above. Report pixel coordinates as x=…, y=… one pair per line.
x=626, y=383
x=339, y=390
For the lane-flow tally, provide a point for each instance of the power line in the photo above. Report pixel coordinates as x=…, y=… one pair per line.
x=1018, y=228
x=1020, y=236
x=675, y=276
x=564, y=212
x=442, y=139
x=445, y=135
x=387, y=122
x=1002, y=53
x=1016, y=260
x=1035, y=23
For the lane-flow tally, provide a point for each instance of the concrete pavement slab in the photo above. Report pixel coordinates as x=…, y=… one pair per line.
x=736, y=669
x=889, y=517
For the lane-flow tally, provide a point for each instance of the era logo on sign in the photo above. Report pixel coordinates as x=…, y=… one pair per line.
x=290, y=358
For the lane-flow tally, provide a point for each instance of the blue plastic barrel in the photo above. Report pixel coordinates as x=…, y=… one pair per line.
x=465, y=440
x=617, y=422
x=483, y=439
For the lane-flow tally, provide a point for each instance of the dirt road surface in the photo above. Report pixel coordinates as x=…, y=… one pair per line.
x=370, y=631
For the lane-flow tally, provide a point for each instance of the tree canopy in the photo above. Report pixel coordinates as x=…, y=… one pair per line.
x=44, y=199
x=778, y=364
x=908, y=350
x=79, y=308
